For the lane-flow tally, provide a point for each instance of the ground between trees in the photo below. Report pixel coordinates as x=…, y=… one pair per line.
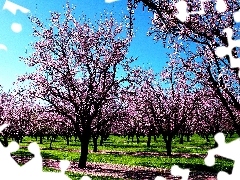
x=119, y=171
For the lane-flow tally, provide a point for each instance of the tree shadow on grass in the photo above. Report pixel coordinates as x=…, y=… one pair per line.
x=49, y=155
x=22, y=153
x=122, y=146
x=148, y=175
x=198, y=171
x=131, y=153
x=45, y=155
x=203, y=168
x=151, y=175
x=136, y=173
x=154, y=154
x=125, y=173
x=22, y=157
x=75, y=144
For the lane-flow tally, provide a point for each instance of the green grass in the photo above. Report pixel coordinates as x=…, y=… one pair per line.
x=196, y=145
x=114, y=143
x=122, y=144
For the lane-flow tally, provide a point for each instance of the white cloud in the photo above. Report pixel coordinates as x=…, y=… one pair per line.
x=12, y=7
x=110, y=1
x=16, y=27
x=3, y=47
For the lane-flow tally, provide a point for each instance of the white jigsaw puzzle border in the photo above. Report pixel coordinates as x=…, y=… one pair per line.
x=10, y=169
x=33, y=168
x=221, y=51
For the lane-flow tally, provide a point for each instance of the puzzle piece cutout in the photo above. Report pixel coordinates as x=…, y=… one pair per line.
x=5, y=156
x=12, y=7
x=32, y=169
x=183, y=14
x=221, y=6
x=85, y=178
x=177, y=171
x=33, y=166
x=236, y=16
x=223, y=51
x=3, y=47
x=2, y=127
x=228, y=150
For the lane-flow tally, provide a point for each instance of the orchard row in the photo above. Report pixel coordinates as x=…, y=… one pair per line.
x=82, y=82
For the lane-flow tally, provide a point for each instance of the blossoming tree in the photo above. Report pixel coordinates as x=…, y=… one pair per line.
x=76, y=68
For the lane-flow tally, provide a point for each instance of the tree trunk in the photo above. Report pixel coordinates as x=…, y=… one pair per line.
x=21, y=139
x=101, y=141
x=5, y=141
x=188, y=138
x=149, y=141
x=155, y=138
x=16, y=138
x=84, y=138
x=54, y=138
x=207, y=138
x=41, y=139
x=138, y=139
x=51, y=141
x=181, y=139
x=169, y=146
x=95, y=138
x=67, y=139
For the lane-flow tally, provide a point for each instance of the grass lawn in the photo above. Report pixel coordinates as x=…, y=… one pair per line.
x=197, y=145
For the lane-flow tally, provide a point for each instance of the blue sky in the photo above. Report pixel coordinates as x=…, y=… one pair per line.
x=142, y=46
